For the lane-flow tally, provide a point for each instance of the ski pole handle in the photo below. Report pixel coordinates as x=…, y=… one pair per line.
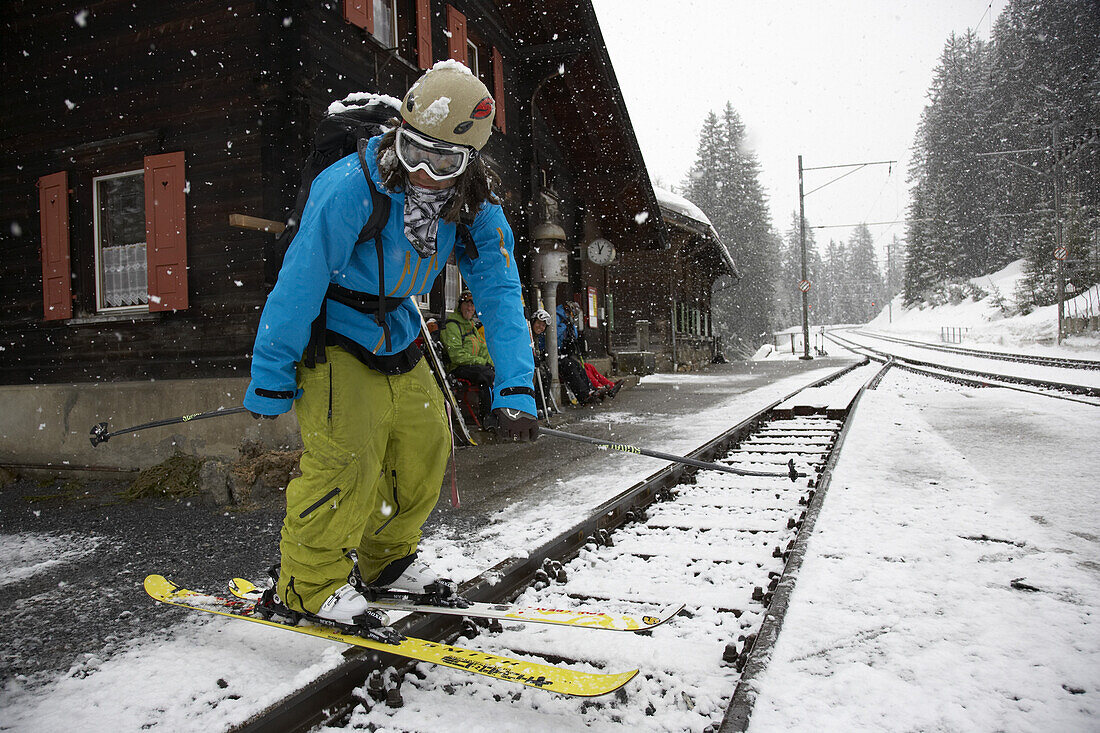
x=99, y=432
x=792, y=472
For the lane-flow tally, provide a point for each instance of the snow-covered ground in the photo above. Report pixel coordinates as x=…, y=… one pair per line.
x=1033, y=333
x=953, y=579
x=951, y=584
x=209, y=674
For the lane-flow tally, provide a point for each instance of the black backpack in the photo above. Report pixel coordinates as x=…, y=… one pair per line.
x=338, y=135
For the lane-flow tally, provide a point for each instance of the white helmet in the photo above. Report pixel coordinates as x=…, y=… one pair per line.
x=450, y=104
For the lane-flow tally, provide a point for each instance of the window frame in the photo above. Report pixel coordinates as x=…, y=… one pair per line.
x=394, y=41
x=97, y=247
x=475, y=64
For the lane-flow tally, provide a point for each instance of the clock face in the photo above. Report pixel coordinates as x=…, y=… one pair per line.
x=601, y=252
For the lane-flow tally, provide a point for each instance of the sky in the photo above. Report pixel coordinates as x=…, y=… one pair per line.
x=837, y=81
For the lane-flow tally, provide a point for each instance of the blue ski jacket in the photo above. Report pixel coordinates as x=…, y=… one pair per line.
x=323, y=251
x=567, y=333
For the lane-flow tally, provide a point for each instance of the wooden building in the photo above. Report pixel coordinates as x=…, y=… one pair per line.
x=662, y=318
x=133, y=132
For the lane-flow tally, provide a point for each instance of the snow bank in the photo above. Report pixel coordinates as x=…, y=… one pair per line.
x=987, y=323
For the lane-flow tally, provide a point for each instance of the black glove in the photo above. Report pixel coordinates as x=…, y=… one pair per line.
x=517, y=424
x=258, y=415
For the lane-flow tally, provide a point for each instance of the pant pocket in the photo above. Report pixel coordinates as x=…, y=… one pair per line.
x=322, y=514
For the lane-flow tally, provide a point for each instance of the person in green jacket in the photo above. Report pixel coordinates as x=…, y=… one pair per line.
x=463, y=337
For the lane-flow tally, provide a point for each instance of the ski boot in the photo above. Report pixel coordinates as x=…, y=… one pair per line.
x=411, y=580
x=347, y=610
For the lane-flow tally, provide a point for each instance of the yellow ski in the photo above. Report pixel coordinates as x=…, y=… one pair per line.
x=501, y=611
x=533, y=674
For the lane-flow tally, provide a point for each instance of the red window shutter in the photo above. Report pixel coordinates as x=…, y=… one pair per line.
x=53, y=205
x=424, y=34
x=456, y=26
x=360, y=13
x=166, y=231
x=498, y=87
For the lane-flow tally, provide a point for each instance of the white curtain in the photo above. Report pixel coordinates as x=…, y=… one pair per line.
x=125, y=281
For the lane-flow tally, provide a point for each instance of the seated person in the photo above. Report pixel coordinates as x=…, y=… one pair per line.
x=464, y=339
x=569, y=364
x=540, y=321
x=602, y=383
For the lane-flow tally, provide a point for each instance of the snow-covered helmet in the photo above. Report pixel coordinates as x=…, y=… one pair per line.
x=541, y=315
x=450, y=104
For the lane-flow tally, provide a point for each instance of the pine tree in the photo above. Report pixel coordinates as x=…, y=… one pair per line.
x=1041, y=72
x=864, y=279
x=724, y=183
x=951, y=192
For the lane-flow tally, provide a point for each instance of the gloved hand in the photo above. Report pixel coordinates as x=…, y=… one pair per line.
x=259, y=416
x=517, y=424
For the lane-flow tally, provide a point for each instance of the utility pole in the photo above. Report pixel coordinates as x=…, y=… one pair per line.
x=1059, y=267
x=805, y=293
x=889, y=285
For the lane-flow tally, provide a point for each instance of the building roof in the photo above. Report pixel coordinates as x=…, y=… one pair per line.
x=585, y=112
x=679, y=213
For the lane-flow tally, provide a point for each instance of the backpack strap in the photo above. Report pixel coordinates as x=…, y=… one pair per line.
x=376, y=222
x=463, y=229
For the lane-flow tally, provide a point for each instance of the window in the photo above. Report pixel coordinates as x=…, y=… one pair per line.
x=471, y=57
x=453, y=287
x=120, y=255
x=479, y=58
x=139, y=232
x=385, y=22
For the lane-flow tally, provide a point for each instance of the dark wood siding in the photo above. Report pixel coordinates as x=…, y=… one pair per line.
x=94, y=89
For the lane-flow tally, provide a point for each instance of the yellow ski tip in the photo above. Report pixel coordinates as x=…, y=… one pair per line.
x=241, y=586
x=158, y=586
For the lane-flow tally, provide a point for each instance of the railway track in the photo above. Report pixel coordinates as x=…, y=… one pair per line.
x=1050, y=361
x=971, y=377
x=726, y=545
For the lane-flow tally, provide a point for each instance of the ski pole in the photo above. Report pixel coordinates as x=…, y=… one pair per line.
x=792, y=472
x=100, y=434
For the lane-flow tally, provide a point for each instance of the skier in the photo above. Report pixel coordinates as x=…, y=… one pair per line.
x=335, y=341
x=464, y=339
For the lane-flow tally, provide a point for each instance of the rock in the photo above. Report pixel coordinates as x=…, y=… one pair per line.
x=214, y=481
x=6, y=477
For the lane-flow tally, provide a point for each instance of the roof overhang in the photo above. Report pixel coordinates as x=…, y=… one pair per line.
x=704, y=246
x=587, y=116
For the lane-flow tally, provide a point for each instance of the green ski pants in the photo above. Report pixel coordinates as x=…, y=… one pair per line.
x=376, y=449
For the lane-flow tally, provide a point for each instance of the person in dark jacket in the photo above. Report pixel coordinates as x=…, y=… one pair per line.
x=569, y=363
x=373, y=423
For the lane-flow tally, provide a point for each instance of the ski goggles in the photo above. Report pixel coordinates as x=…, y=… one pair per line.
x=438, y=159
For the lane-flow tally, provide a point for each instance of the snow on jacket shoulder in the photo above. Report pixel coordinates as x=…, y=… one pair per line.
x=323, y=252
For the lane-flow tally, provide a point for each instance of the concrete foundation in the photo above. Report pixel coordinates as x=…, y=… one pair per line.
x=46, y=427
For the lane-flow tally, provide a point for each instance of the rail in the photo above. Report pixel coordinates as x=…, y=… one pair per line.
x=970, y=377
x=334, y=698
